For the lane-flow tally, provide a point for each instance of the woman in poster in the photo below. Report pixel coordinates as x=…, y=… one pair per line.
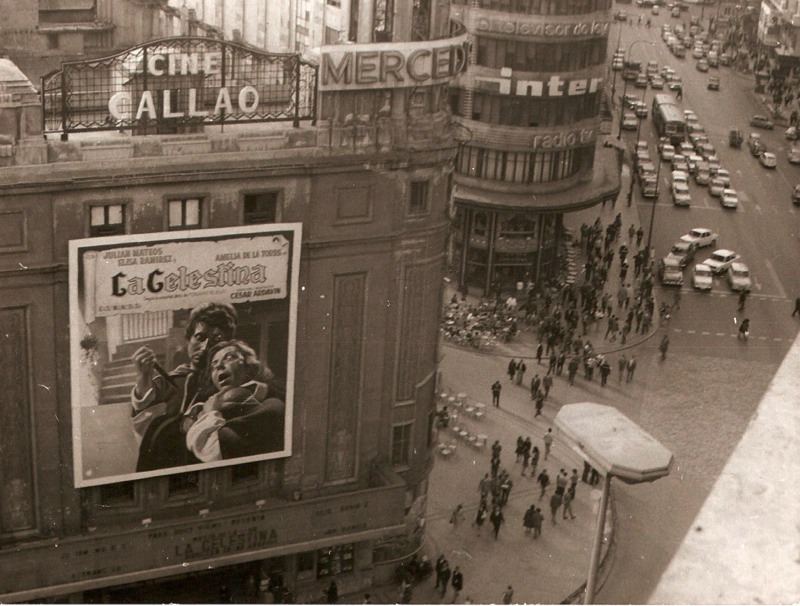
x=240, y=419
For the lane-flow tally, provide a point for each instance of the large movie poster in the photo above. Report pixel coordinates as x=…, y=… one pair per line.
x=182, y=350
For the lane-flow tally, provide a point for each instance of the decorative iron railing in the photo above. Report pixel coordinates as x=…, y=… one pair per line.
x=172, y=84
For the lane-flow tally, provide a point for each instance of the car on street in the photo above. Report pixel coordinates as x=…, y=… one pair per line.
x=670, y=272
x=641, y=109
x=713, y=164
x=683, y=251
x=630, y=121
x=761, y=121
x=621, y=15
x=630, y=100
x=724, y=59
x=720, y=260
x=716, y=187
x=686, y=149
x=680, y=194
x=756, y=146
x=713, y=83
x=675, y=83
x=679, y=176
x=793, y=155
x=768, y=160
x=641, y=81
x=796, y=194
x=675, y=13
x=702, y=236
x=739, y=277
x=694, y=161
x=723, y=175
x=657, y=82
x=791, y=133
x=697, y=51
x=617, y=64
x=702, y=65
x=679, y=163
x=690, y=116
x=667, y=152
x=702, y=278
x=729, y=198
x=702, y=175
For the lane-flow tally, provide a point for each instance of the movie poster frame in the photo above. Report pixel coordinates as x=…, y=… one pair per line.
x=87, y=350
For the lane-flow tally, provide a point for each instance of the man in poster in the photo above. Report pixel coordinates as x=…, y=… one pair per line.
x=159, y=401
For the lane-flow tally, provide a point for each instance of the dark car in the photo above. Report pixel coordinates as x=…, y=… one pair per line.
x=760, y=121
x=713, y=83
x=796, y=195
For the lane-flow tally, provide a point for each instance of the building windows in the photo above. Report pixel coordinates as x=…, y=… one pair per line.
x=418, y=199
x=401, y=443
x=514, y=110
x=497, y=53
x=184, y=213
x=543, y=7
x=184, y=484
x=522, y=167
x=107, y=220
x=383, y=12
x=261, y=207
x=115, y=495
x=335, y=560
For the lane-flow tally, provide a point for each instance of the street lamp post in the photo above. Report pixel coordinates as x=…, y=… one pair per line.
x=625, y=87
x=616, y=446
x=614, y=79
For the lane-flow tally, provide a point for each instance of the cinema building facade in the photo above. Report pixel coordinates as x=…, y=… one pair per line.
x=312, y=197
x=528, y=112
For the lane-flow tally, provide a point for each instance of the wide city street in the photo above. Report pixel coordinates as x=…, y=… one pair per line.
x=699, y=400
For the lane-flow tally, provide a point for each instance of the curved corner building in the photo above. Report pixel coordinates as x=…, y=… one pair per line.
x=529, y=112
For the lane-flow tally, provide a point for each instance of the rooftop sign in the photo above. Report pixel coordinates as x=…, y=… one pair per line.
x=392, y=65
x=178, y=81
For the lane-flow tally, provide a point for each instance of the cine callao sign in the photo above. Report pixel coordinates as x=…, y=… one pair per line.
x=392, y=65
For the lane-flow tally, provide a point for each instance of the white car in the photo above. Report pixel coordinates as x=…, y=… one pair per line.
x=723, y=175
x=720, y=260
x=793, y=155
x=680, y=194
x=667, y=152
x=729, y=199
x=739, y=277
x=702, y=278
x=702, y=236
x=716, y=187
x=630, y=121
x=686, y=149
x=679, y=163
x=768, y=160
x=679, y=176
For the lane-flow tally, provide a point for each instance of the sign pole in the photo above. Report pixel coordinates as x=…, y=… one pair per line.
x=594, y=563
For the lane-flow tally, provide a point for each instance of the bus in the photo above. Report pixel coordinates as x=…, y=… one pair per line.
x=668, y=118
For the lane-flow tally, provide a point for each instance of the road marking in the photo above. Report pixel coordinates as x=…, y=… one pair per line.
x=721, y=334
x=690, y=332
x=705, y=333
x=774, y=275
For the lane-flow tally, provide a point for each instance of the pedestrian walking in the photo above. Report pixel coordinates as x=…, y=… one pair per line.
x=631, y=369
x=555, y=503
x=496, y=388
x=512, y=369
x=521, y=368
x=480, y=518
x=527, y=519
x=547, y=383
x=561, y=481
x=441, y=562
x=548, y=442
x=742, y=300
x=496, y=449
x=535, y=383
x=538, y=402
x=539, y=352
x=569, y=496
x=508, y=595
x=332, y=593
x=544, y=481
x=406, y=593
x=519, y=448
x=484, y=486
x=526, y=457
x=572, y=370
x=534, y=461
x=457, y=582
x=497, y=519
x=796, y=307
x=664, y=346
x=639, y=236
x=457, y=516
x=538, y=518
x=622, y=364
x=446, y=574
x=605, y=370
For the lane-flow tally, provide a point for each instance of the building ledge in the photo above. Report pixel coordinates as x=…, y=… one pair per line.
x=603, y=185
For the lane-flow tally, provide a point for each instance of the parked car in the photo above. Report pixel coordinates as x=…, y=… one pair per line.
x=683, y=251
x=739, y=277
x=768, y=160
x=796, y=194
x=793, y=155
x=760, y=121
x=670, y=272
x=720, y=260
x=702, y=236
x=723, y=175
x=702, y=278
x=679, y=163
x=713, y=83
x=667, y=152
x=729, y=198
